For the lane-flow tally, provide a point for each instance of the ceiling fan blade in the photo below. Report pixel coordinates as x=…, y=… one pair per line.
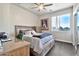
x=36, y=3
x=33, y=7
x=48, y=5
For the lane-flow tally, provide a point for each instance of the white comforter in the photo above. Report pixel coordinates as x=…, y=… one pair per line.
x=36, y=43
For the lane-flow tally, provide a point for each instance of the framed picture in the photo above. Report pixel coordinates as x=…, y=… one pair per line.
x=44, y=24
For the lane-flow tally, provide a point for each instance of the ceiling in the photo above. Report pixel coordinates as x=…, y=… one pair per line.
x=49, y=9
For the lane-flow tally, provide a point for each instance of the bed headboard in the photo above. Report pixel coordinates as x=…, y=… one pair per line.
x=19, y=27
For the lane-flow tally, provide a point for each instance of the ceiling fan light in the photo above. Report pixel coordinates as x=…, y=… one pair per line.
x=41, y=7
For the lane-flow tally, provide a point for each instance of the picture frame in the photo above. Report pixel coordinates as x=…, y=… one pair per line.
x=44, y=24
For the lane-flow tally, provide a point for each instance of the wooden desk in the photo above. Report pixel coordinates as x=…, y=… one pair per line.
x=21, y=48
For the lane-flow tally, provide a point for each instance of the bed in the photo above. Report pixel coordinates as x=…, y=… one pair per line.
x=41, y=43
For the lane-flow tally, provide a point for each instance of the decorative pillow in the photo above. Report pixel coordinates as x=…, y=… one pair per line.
x=20, y=34
x=33, y=32
x=28, y=33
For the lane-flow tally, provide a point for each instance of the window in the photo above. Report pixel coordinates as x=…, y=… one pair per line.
x=61, y=22
x=78, y=20
x=54, y=23
x=65, y=22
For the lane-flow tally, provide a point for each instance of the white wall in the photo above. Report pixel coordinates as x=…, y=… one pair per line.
x=65, y=36
x=20, y=16
x=4, y=18
x=1, y=14
x=12, y=15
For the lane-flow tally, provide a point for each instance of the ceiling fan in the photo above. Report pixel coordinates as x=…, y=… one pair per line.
x=41, y=6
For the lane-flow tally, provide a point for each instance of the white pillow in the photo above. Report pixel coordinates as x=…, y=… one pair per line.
x=28, y=33
x=33, y=32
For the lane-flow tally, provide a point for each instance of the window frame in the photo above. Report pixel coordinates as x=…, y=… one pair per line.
x=77, y=20
x=58, y=22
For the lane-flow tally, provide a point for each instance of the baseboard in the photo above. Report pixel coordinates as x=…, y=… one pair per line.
x=64, y=41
